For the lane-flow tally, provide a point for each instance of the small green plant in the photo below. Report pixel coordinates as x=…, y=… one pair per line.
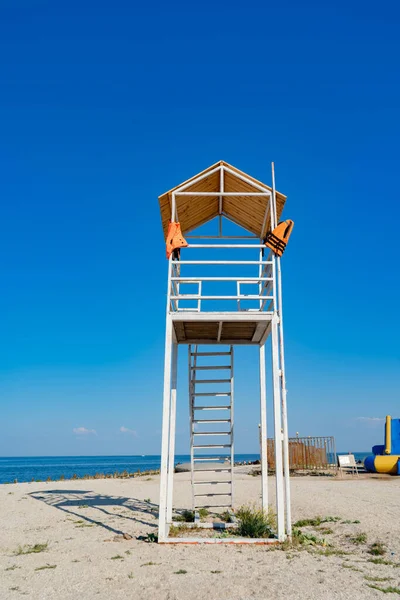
x=360, y=538
x=151, y=538
x=147, y=500
x=352, y=567
x=377, y=549
x=35, y=549
x=316, y=521
x=226, y=516
x=255, y=523
x=180, y=572
x=83, y=506
x=331, y=552
x=14, y=589
x=370, y=578
x=149, y=564
x=216, y=571
x=117, y=557
x=383, y=561
x=203, y=513
x=325, y=530
x=388, y=590
x=176, y=530
x=348, y=522
x=186, y=516
x=305, y=539
x=222, y=534
x=12, y=568
x=131, y=575
x=45, y=567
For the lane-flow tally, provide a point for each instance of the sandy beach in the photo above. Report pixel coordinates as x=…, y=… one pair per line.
x=86, y=557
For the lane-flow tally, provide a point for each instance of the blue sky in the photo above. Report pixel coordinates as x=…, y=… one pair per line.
x=103, y=106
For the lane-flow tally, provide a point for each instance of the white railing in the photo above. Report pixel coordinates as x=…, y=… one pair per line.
x=232, y=288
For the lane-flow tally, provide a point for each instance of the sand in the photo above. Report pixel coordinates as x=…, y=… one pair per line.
x=82, y=523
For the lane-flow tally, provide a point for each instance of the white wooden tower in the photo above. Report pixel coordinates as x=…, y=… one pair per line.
x=223, y=290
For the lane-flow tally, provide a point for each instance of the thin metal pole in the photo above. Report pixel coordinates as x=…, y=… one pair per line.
x=171, y=457
x=173, y=208
x=231, y=194
x=286, y=464
x=221, y=262
x=240, y=246
x=221, y=189
x=263, y=432
x=284, y=406
x=274, y=195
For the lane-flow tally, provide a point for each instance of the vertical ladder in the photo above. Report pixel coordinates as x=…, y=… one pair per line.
x=211, y=473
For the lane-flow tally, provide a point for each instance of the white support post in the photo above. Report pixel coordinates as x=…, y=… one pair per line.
x=162, y=515
x=280, y=496
x=263, y=432
x=279, y=309
x=172, y=423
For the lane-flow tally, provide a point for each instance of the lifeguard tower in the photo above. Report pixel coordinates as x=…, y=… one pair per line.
x=223, y=290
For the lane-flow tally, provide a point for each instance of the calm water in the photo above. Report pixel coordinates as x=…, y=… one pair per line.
x=42, y=467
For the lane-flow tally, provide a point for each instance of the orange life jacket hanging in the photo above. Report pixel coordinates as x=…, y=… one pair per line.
x=175, y=239
x=279, y=237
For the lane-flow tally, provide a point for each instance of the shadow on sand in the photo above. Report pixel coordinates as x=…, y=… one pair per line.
x=67, y=500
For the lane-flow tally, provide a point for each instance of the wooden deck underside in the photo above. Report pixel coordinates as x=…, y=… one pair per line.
x=253, y=332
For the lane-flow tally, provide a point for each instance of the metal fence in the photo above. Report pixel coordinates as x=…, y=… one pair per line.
x=307, y=453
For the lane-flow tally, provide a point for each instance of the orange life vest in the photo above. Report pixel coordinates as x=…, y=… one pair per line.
x=279, y=237
x=175, y=239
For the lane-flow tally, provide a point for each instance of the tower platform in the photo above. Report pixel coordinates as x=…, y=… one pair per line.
x=222, y=328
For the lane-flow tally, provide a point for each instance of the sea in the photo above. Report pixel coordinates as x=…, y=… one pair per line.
x=40, y=468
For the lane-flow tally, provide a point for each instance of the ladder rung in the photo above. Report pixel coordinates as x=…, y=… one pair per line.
x=211, y=394
x=210, y=354
x=214, y=470
x=211, y=380
x=211, y=482
x=211, y=433
x=211, y=458
x=212, y=494
x=215, y=506
x=211, y=421
x=200, y=446
x=211, y=407
x=211, y=368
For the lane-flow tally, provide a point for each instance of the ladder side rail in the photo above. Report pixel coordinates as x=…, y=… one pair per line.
x=192, y=375
x=232, y=423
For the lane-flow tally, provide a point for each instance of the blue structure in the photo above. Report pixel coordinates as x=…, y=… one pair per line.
x=386, y=457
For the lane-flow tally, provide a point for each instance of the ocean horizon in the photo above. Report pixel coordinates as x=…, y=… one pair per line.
x=39, y=468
